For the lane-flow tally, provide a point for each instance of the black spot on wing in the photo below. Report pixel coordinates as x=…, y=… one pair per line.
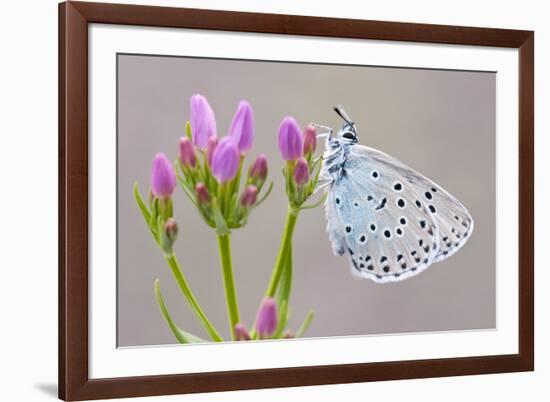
x=382, y=204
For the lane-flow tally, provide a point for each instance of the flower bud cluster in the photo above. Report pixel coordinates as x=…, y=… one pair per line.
x=210, y=168
x=302, y=169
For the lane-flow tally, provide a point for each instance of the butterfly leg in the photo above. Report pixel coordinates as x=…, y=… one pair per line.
x=323, y=185
x=327, y=131
x=329, y=155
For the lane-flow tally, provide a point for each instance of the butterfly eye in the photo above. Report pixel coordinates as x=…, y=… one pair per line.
x=348, y=135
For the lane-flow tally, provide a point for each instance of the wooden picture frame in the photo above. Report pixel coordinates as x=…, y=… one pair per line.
x=74, y=381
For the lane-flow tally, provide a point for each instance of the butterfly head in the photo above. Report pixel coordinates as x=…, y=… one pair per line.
x=347, y=134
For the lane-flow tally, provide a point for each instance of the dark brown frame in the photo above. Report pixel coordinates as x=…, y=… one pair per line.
x=74, y=17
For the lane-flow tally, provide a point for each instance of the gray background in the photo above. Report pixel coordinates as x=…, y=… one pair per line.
x=441, y=123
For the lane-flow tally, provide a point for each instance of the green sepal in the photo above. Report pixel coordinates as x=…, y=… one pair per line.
x=186, y=180
x=186, y=190
x=264, y=197
x=236, y=182
x=313, y=183
x=188, y=130
x=154, y=217
x=233, y=211
x=206, y=175
x=166, y=208
x=190, y=175
x=163, y=242
x=305, y=325
x=181, y=335
x=290, y=165
x=219, y=220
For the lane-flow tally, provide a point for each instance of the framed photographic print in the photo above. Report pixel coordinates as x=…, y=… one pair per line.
x=259, y=200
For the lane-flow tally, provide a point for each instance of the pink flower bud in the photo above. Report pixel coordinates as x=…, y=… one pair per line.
x=310, y=139
x=187, y=153
x=210, y=147
x=225, y=160
x=242, y=127
x=163, y=177
x=258, y=170
x=241, y=334
x=266, y=319
x=203, y=196
x=171, y=229
x=301, y=172
x=249, y=196
x=291, y=140
x=203, y=121
x=169, y=235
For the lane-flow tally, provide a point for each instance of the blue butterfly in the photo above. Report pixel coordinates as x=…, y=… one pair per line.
x=391, y=221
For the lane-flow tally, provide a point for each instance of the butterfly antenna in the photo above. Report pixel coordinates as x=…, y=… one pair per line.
x=342, y=113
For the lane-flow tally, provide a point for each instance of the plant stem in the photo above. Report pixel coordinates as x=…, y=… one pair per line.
x=284, y=250
x=186, y=290
x=229, y=283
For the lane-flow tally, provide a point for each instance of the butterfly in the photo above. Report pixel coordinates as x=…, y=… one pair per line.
x=390, y=221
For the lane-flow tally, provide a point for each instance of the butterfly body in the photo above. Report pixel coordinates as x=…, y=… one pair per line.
x=390, y=221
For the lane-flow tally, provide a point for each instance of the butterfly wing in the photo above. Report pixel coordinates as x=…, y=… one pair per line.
x=391, y=221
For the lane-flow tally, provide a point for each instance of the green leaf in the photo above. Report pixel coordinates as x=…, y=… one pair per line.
x=142, y=207
x=181, y=335
x=305, y=324
x=147, y=215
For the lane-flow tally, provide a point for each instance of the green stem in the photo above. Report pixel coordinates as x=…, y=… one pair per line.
x=229, y=283
x=186, y=290
x=282, y=257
